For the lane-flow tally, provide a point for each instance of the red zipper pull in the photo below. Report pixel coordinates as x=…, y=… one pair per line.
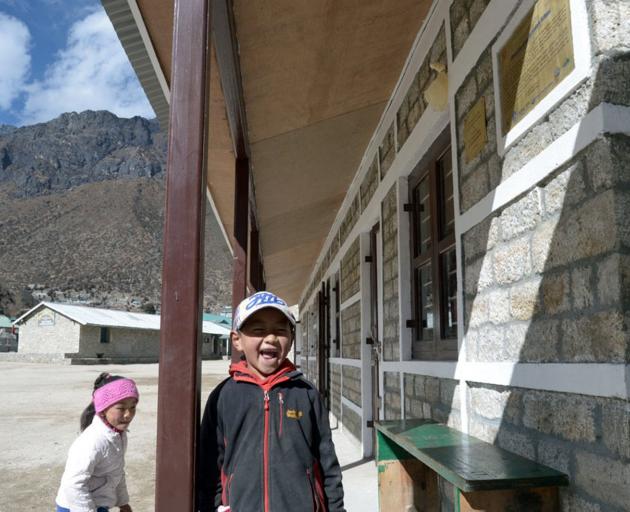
x=266, y=398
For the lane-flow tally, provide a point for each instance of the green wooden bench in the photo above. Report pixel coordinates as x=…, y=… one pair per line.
x=412, y=453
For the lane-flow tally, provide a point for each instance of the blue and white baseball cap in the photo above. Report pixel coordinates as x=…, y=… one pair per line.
x=256, y=302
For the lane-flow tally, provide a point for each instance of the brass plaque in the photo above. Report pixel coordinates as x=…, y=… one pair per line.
x=475, y=135
x=537, y=56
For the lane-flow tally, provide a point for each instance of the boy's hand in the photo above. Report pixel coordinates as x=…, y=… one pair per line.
x=125, y=508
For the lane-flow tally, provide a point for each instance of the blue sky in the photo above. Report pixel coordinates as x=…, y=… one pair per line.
x=60, y=56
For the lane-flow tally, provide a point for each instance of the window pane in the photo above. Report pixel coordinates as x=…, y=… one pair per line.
x=422, y=217
x=447, y=211
x=424, y=285
x=449, y=293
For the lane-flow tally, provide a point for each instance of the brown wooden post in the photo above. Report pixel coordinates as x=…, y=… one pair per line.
x=241, y=229
x=182, y=274
x=255, y=267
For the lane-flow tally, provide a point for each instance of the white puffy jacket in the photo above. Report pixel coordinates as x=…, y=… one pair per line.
x=94, y=475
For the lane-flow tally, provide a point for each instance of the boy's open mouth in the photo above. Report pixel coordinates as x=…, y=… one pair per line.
x=269, y=353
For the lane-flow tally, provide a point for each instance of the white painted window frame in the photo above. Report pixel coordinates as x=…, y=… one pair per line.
x=365, y=349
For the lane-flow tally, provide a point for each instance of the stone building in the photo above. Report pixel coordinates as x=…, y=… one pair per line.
x=86, y=335
x=500, y=298
x=474, y=266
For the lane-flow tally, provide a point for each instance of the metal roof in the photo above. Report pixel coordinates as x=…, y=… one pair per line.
x=85, y=315
x=212, y=328
x=218, y=319
x=135, y=40
x=5, y=321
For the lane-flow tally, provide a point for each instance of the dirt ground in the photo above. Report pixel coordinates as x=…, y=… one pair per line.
x=41, y=405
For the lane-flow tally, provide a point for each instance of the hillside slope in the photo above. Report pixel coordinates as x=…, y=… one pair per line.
x=81, y=213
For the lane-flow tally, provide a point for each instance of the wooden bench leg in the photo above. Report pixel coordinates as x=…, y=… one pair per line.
x=540, y=499
x=404, y=483
x=407, y=486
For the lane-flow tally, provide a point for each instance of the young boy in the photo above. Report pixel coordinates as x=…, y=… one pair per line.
x=265, y=442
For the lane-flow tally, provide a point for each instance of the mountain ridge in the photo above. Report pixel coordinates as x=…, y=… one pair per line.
x=81, y=216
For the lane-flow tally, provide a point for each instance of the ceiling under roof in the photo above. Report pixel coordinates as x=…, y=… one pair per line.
x=316, y=77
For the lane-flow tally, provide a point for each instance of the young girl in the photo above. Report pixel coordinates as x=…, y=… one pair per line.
x=94, y=478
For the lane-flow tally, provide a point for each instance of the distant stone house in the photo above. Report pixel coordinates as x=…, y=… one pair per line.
x=84, y=335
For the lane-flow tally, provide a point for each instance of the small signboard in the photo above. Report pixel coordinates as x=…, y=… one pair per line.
x=45, y=319
x=475, y=134
x=536, y=57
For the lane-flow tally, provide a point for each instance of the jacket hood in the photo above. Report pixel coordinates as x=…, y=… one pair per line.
x=241, y=372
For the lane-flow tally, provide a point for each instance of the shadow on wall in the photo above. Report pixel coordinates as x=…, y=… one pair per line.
x=547, y=280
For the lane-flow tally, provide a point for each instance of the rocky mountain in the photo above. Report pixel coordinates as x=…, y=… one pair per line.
x=81, y=215
x=6, y=128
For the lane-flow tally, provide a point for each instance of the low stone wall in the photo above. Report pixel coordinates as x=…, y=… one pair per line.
x=391, y=400
x=113, y=360
x=391, y=339
x=73, y=359
x=17, y=357
x=335, y=390
x=431, y=397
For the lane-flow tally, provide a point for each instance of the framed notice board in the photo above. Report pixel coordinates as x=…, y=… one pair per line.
x=541, y=56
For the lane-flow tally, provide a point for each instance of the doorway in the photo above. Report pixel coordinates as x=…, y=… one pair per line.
x=323, y=343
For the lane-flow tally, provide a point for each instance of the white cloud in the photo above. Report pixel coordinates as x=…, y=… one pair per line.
x=15, y=59
x=92, y=72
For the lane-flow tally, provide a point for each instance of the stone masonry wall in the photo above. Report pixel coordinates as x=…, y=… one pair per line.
x=311, y=368
x=414, y=104
x=483, y=173
x=351, y=331
x=391, y=398
x=546, y=279
x=387, y=150
x=351, y=422
x=432, y=398
x=309, y=322
x=312, y=332
x=304, y=321
x=350, y=272
x=610, y=36
x=391, y=340
x=352, y=215
x=464, y=17
x=585, y=437
x=352, y=384
x=369, y=184
x=123, y=343
x=335, y=390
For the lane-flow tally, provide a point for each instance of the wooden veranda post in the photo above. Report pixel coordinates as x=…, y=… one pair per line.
x=182, y=273
x=241, y=230
x=226, y=48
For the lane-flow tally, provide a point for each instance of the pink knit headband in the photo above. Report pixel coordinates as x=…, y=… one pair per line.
x=113, y=392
